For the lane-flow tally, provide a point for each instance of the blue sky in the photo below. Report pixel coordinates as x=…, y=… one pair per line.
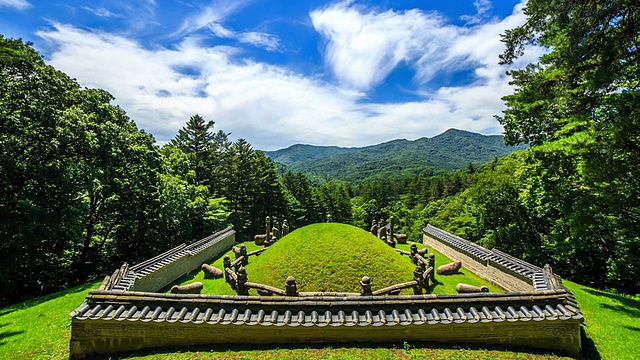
x=277, y=73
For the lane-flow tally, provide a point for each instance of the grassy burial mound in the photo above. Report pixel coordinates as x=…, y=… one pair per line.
x=330, y=257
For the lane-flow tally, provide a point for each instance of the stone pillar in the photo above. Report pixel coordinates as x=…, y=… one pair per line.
x=392, y=221
x=414, y=251
x=417, y=276
x=365, y=286
x=432, y=264
x=267, y=231
x=241, y=289
x=227, y=265
x=291, y=287
x=243, y=252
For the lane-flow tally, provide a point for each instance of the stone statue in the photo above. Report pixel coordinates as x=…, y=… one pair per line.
x=449, y=269
x=374, y=228
x=193, y=288
x=285, y=227
x=211, y=272
x=466, y=288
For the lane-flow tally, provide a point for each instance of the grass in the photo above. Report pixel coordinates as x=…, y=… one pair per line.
x=612, y=322
x=318, y=255
x=39, y=329
x=330, y=257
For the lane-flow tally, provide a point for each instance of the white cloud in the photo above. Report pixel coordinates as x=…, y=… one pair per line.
x=212, y=17
x=364, y=46
x=272, y=107
x=15, y=4
x=100, y=11
x=482, y=8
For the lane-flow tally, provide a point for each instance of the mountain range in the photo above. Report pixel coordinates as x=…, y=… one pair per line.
x=397, y=159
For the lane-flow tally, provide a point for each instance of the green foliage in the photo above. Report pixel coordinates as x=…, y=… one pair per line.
x=77, y=178
x=579, y=105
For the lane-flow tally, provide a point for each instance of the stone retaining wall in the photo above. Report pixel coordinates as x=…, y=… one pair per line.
x=186, y=260
x=491, y=265
x=98, y=336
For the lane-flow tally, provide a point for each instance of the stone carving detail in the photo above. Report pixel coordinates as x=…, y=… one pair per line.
x=365, y=286
x=241, y=280
x=260, y=239
x=401, y=238
x=211, y=272
x=272, y=233
x=382, y=232
x=227, y=265
x=466, y=288
x=374, y=228
x=291, y=287
x=418, y=277
x=243, y=254
x=193, y=288
x=449, y=269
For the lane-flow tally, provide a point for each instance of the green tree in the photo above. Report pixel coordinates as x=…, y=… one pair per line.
x=579, y=106
x=197, y=139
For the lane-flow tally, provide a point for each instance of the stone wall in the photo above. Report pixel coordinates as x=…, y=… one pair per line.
x=185, y=260
x=479, y=260
x=98, y=336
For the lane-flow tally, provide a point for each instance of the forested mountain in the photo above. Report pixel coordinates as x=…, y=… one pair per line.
x=397, y=159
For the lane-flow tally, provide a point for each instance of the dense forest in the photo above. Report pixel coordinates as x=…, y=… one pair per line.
x=396, y=160
x=82, y=189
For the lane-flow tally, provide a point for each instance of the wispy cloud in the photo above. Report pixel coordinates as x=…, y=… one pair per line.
x=15, y=4
x=273, y=107
x=213, y=16
x=100, y=11
x=482, y=8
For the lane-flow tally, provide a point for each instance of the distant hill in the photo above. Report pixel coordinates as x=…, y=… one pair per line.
x=454, y=149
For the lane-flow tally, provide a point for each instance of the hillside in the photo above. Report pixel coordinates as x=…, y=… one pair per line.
x=398, y=159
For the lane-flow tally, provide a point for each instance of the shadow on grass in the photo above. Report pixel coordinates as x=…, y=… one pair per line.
x=8, y=334
x=589, y=350
x=33, y=302
x=629, y=306
x=633, y=328
x=220, y=350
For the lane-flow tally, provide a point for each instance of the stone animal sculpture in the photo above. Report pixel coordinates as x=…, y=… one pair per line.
x=450, y=268
x=211, y=272
x=466, y=288
x=236, y=251
x=193, y=288
x=260, y=239
x=401, y=238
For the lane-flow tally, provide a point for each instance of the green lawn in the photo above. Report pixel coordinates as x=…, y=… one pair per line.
x=312, y=257
x=39, y=329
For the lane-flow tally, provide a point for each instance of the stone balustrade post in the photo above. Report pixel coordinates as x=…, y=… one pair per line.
x=365, y=286
x=227, y=265
x=417, y=276
x=291, y=287
x=243, y=252
x=241, y=288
